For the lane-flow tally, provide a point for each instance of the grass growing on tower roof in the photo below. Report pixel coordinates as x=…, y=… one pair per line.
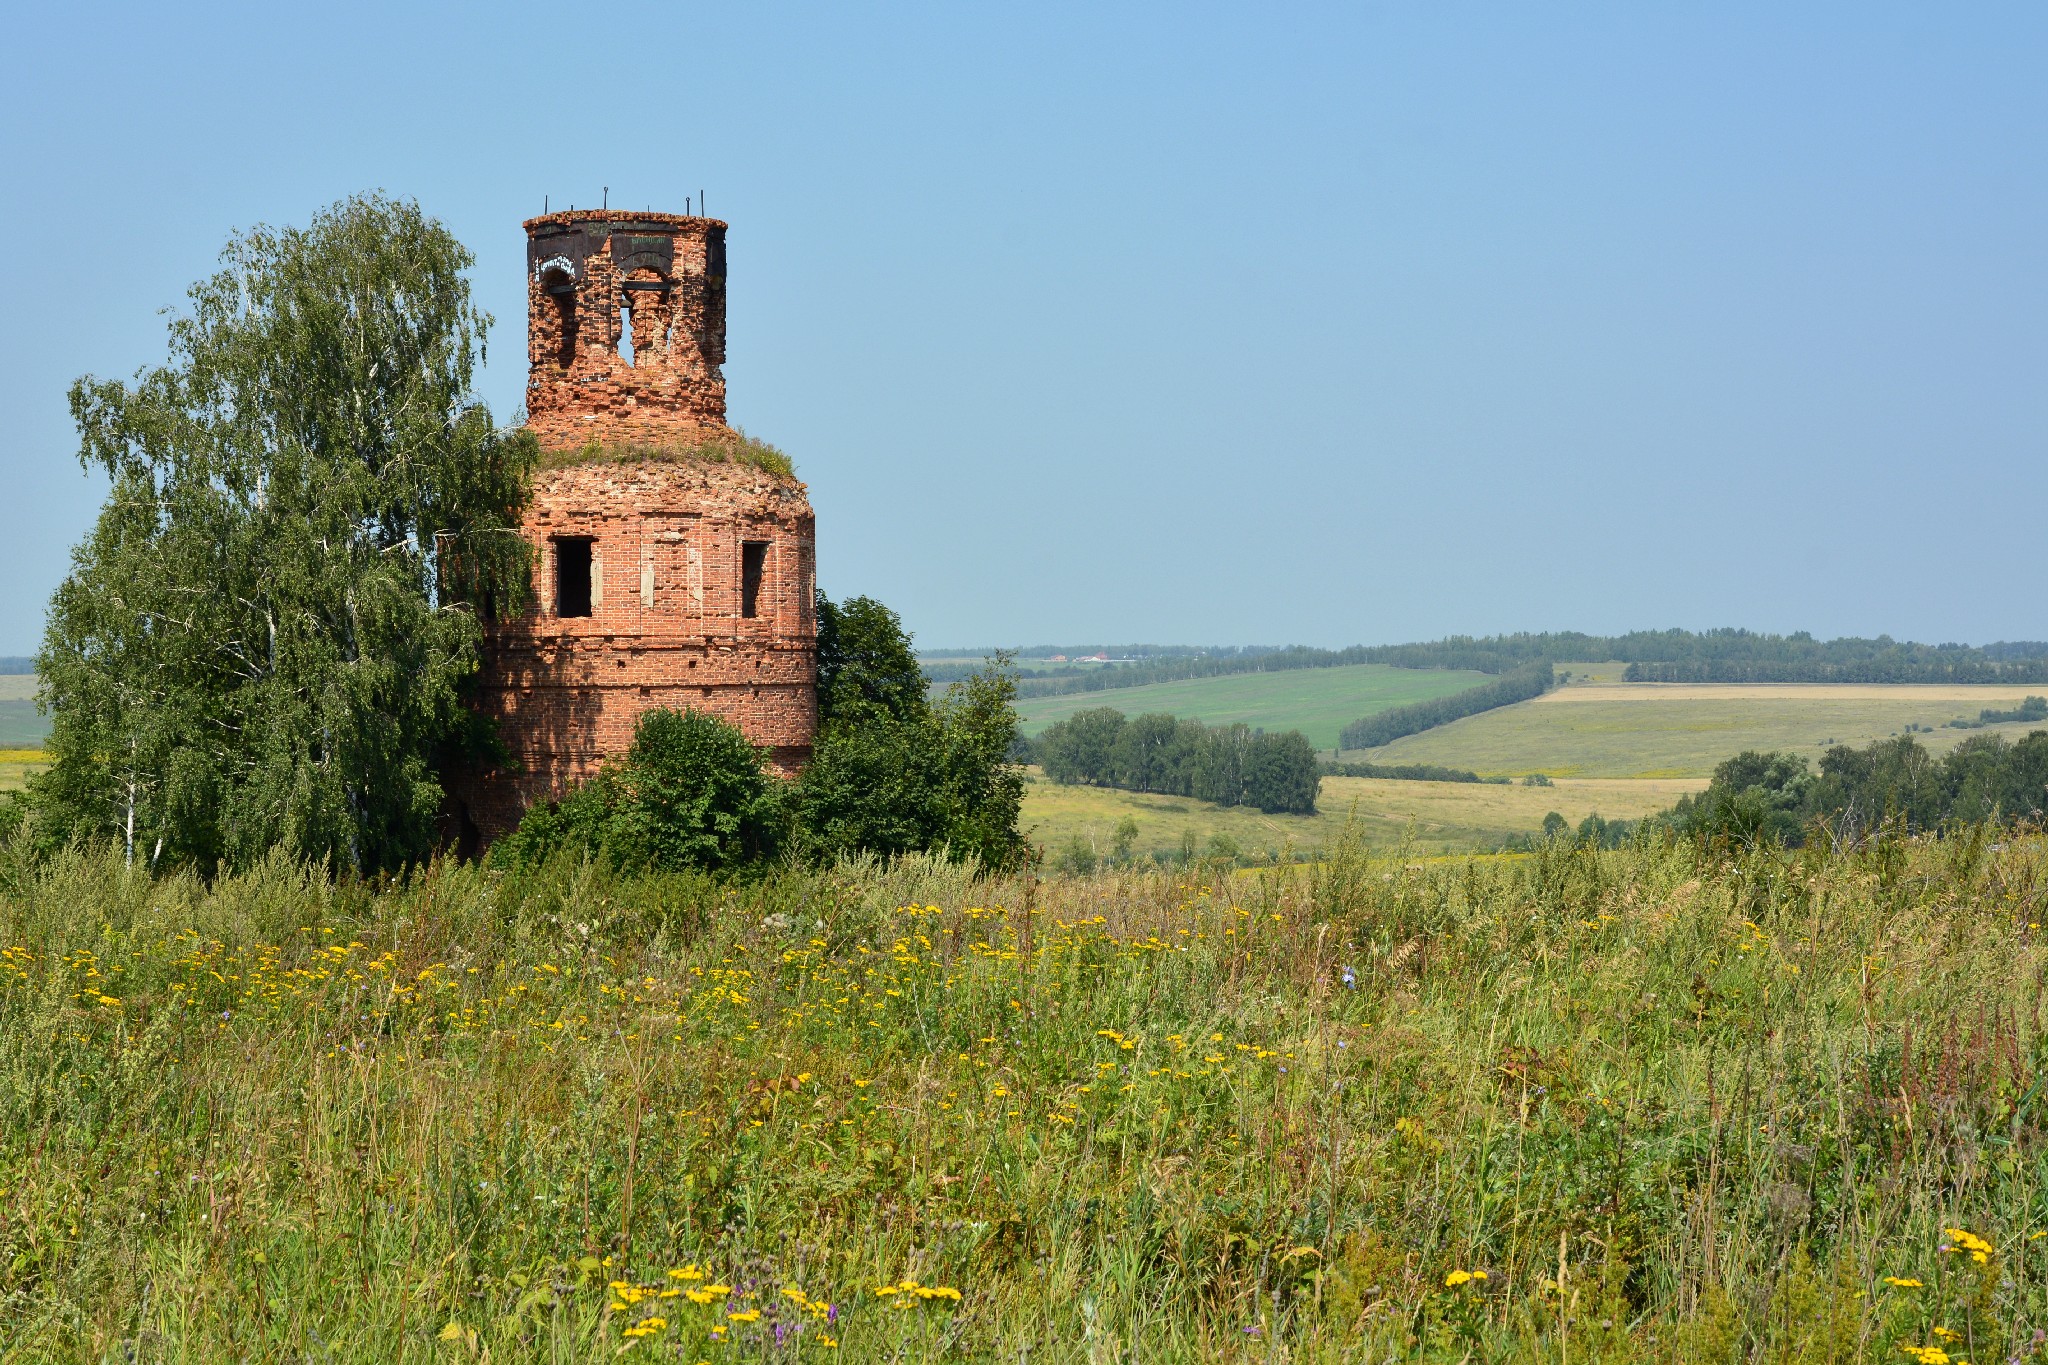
x=729, y=447
x=1627, y=1106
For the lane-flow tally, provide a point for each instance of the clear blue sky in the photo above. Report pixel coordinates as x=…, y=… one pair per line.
x=1182, y=323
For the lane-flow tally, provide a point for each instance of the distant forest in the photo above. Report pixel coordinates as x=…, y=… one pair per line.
x=1231, y=765
x=1775, y=796
x=1726, y=655
x=1384, y=727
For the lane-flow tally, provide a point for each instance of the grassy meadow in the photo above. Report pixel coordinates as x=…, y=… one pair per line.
x=1319, y=702
x=1655, y=730
x=1644, y=1105
x=1438, y=817
x=20, y=726
x=16, y=765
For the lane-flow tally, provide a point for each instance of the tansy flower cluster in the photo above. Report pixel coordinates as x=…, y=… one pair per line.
x=907, y=1292
x=1976, y=1247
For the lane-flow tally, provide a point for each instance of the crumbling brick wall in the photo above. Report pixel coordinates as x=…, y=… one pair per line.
x=655, y=279
x=700, y=588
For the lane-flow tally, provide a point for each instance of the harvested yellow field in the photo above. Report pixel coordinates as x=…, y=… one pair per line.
x=1656, y=730
x=1443, y=817
x=17, y=764
x=1443, y=806
x=1973, y=697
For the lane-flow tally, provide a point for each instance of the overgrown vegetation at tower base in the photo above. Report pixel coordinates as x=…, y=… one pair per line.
x=892, y=773
x=1658, y=1103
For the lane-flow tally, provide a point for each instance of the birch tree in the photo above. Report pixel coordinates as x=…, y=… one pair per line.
x=265, y=639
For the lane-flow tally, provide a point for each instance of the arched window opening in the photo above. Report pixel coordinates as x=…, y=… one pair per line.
x=562, y=295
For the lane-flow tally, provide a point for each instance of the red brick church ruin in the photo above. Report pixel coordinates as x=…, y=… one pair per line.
x=669, y=569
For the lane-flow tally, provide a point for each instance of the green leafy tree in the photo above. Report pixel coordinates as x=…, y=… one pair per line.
x=1077, y=856
x=865, y=665
x=893, y=773
x=938, y=781
x=1083, y=748
x=1281, y=774
x=977, y=722
x=264, y=640
x=1754, y=798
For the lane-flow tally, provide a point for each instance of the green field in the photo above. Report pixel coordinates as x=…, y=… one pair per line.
x=1653, y=730
x=20, y=726
x=1440, y=817
x=1319, y=702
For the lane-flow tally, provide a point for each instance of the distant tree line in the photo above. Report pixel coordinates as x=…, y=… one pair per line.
x=1231, y=765
x=1177, y=668
x=1756, y=797
x=1725, y=655
x=2030, y=708
x=948, y=667
x=1407, y=772
x=16, y=664
x=1904, y=664
x=1390, y=725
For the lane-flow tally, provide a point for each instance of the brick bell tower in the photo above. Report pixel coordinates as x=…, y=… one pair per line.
x=669, y=568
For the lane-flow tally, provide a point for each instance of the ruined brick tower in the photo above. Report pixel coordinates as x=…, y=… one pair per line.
x=672, y=566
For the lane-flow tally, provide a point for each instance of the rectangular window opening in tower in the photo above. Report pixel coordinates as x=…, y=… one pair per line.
x=753, y=562
x=572, y=576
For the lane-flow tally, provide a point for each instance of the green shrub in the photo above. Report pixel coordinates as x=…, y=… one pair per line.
x=936, y=779
x=691, y=793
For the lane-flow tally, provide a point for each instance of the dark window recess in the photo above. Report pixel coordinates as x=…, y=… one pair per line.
x=753, y=559
x=572, y=578
x=562, y=294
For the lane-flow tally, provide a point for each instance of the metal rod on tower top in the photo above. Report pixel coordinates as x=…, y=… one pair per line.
x=607, y=196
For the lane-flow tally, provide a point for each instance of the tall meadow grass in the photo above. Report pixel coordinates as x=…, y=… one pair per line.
x=1638, y=1105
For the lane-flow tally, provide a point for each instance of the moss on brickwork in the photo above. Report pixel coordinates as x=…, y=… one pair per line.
x=731, y=447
